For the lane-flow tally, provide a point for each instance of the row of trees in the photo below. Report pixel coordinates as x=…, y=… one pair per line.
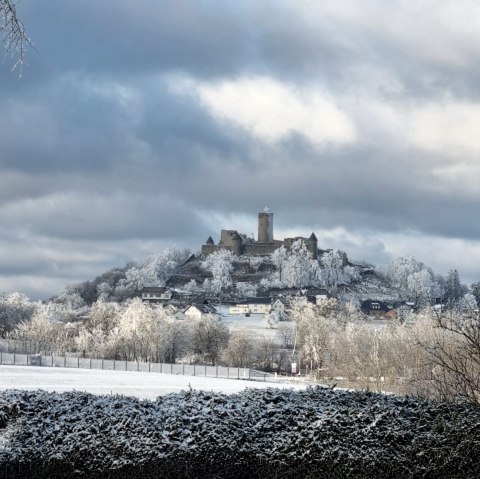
x=435, y=355
x=413, y=280
x=438, y=354
x=139, y=332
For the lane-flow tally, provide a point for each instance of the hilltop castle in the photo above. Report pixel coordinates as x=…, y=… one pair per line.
x=239, y=244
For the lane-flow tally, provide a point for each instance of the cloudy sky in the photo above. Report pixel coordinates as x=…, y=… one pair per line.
x=142, y=124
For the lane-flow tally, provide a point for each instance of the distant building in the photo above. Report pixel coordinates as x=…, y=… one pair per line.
x=374, y=308
x=156, y=294
x=402, y=309
x=316, y=295
x=200, y=311
x=252, y=306
x=281, y=305
x=239, y=244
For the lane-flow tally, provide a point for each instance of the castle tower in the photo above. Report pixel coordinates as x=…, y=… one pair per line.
x=265, y=227
x=312, y=245
x=236, y=244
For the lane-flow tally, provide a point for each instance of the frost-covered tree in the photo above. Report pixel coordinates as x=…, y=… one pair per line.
x=412, y=278
x=245, y=290
x=146, y=333
x=209, y=337
x=191, y=287
x=279, y=258
x=104, y=291
x=332, y=268
x=136, y=328
x=453, y=348
x=314, y=331
x=286, y=334
x=12, y=32
x=300, y=269
x=268, y=356
x=157, y=269
x=454, y=290
x=220, y=265
x=72, y=300
x=272, y=319
x=240, y=351
x=38, y=329
x=421, y=286
x=14, y=308
x=334, y=271
x=104, y=316
x=475, y=288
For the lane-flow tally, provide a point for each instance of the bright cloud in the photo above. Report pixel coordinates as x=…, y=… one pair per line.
x=272, y=111
x=447, y=126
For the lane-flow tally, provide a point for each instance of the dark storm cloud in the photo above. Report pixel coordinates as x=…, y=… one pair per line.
x=102, y=142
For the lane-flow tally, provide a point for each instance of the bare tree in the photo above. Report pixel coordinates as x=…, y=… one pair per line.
x=454, y=354
x=12, y=32
x=209, y=338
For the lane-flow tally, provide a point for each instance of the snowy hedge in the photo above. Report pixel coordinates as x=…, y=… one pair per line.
x=257, y=433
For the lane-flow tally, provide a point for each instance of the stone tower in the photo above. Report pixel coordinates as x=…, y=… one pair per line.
x=265, y=227
x=236, y=244
x=312, y=245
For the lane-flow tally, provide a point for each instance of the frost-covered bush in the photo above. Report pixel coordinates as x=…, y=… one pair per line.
x=246, y=290
x=254, y=434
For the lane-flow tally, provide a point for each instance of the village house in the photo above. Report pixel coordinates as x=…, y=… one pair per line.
x=281, y=305
x=252, y=306
x=157, y=294
x=316, y=295
x=200, y=311
x=374, y=308
x=402, y=308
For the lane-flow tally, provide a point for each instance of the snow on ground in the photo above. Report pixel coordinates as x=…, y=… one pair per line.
x=255, y=322
x=129, y=383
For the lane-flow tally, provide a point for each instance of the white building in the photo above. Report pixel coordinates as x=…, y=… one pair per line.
x=252, y=306
x=199, y=311
x=156, y=294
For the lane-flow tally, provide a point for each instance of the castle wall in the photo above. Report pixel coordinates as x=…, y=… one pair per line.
x=209, y=248
x=226, y=237
x=260, y=249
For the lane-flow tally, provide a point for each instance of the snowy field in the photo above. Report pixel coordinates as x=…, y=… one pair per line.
x=255, y=322
x=138, y=384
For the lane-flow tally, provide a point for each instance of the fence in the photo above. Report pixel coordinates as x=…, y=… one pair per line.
x=15, y=359
x=26, y=347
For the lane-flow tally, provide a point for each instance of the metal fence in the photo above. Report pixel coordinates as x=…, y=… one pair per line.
x=16, y=359
x=26, y=347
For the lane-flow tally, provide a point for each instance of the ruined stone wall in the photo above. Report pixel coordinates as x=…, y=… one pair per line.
x=226, y=237
x=212, y=248
x=260, y=249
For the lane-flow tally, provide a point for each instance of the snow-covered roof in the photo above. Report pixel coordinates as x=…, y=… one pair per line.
x=155, y=289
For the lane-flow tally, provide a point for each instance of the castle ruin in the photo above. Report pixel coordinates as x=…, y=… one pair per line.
x=239, y=244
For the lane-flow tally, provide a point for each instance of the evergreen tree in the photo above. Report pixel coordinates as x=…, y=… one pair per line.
x=453, y=288
x=476, y=292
